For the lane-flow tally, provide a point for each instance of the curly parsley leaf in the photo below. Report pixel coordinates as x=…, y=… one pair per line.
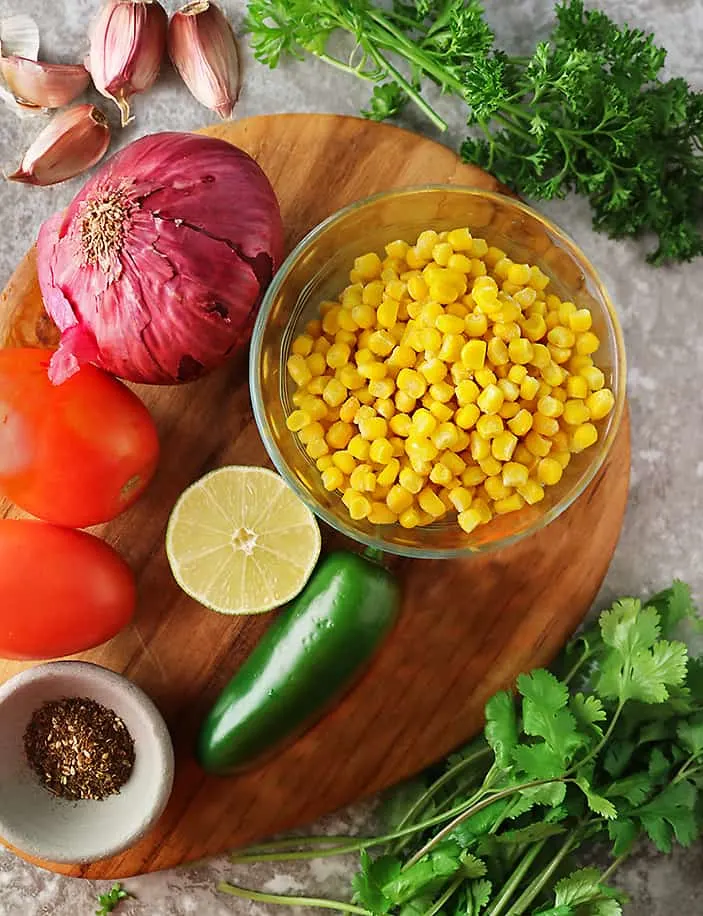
x=110, y=900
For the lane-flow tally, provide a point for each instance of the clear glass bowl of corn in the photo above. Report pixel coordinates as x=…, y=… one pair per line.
x=437, y=371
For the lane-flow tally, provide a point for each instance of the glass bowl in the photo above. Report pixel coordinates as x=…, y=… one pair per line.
x=318, y=269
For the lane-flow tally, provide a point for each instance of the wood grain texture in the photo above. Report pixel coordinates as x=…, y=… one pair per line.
x=468, y=626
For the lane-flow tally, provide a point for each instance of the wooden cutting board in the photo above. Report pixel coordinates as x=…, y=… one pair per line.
x=468, y=627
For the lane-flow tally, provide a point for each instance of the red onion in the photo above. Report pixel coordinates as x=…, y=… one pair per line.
x=156, y=270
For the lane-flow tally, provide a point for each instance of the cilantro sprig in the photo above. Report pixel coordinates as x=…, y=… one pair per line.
x=587, y=112
x=109, y=901
x=606, y=748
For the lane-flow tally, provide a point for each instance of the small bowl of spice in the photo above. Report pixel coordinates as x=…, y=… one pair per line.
x=86, y=762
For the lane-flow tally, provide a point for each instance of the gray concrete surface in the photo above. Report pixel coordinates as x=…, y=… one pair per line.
x=662, y=315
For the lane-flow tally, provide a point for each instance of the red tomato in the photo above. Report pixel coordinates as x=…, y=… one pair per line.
x=63, y=591
x=75, y=454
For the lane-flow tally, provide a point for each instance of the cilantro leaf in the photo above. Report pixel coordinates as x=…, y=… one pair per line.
x=399, y=800
x=690, y=734
x=672, y=812
x=478, y=897
x=369, y=881
x=110, y=900
x=588, y=712
x=623, y=832
x=501, y=728
x=596, y=802
x=545, y=714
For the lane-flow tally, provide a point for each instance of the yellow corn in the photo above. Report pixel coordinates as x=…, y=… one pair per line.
x=512, y=503
x=473, y=476
x=339, y=434
x=434, y=370
x=423, y=423
x=473, y=354
x=514, y=474
x=600, y=403
x=298, y=369
x=537, y=445
x=412, y=383
x=531, y=492
x=545, y=426
x=577, y=387
x=520, y=350
x=517, y=374
x=460, y=239
x=549, y=471
x=550, y=407
x=583, y=437
x=298, y=419
x=332, y=478
x=496, y=489
x=431, y=503
x=411, y=518
x=480, y=447
x=316, y=448
x=453, y=462
x=580, y=320
x=529, y=388
x=586, y=343
x=576, y=412
x=388, y=475
x=503, y=446
x=553, y=375
x=445, y=436
x=359, y=448
x=345, y=461
x=420, y=448
x=497, y=352
x=476, y=325
x=490, y=400
x=399, y=499
x=594, y=377
x=490, y=466
x=302, y=345
x=509, y=410
x=466, y=416
x=489, y=426
x=310, y=432
x=384, y=407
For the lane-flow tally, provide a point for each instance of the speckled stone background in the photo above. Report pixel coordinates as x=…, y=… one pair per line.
x=662, y=314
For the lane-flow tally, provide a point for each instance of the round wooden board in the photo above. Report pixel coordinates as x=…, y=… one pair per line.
x=468, y=626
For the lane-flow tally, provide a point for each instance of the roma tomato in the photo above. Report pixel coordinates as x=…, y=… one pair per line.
x=75, y=454
x=63, y=591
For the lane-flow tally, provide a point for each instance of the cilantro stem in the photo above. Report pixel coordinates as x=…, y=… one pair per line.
x=516, y=878
x=424, y=106
x=447, y=777
x=469, y=812
x=535, y=887
x=246, y=893
x=601, y=744
x=439, y=903
x=614, y=866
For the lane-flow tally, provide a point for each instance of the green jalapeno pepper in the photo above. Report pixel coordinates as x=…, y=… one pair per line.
x=307, y=658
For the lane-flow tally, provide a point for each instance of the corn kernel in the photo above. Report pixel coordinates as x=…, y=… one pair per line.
x=458, y=309
x=583, y=437
x=525, y=297
x=531, y=492
x=339, y=434
x=359, y=448
x=524, y=456
x=480, y=447
x=580, y=321
x=507, y=331
x=534, y=328
x=445, y=436
x=600, y=403
x=520, y=350
x=350, y=378
x=441, y=412
x=517, y=374
x=594, y=377
x=511, y=391
x=302, y=345
x=519, y=274
x=373, y=428
x=473, y=476
x=324, y=463
x=368, y=265
x=490, y=466
x=388, y=475
x=317, y=364
x=317, y=385
x=509, y=410
x=561, y=337
x=423, y=423
x=490, y=400
x=401, y=424
x=330, y=322
x=476, y=325
x=420, y=465
x=441, y=253
x=453, y=462
x=466, y=416
x=576, y=412
x=469, y=520
x=450, y=324
x=577, y=387
x=431, y=503
x=405, y=402
x=315, y=407
x=433, y=369
x=541, y=357
x=338, y=355
x=459, y=373
x=450, y=349
x=460, y=263
x=529, y=388
x=563, y=457
x=441, y=391
x=558, y=354
x=363, y=354
x=411, y=518
x=412, y=383
x=364, y=315
x=298, y=419
x=398, y=446
x=552, y=319
x=363, y=479
x=479, y=247
x=420, y=448
x=503, y=446
x=537, y=445
x=399, y=499
x=374, y=370
x=549, y=471
x=332, y=478
x=402, y=356
x=496, y=489
x=497, y=352
x=553, y=375
x=381, y=451
x=344, y=460
x=515, y=474
x=387, y=314
x=550, y=407
x=314, y=328
x=489, y=426
x=382, y=388
x=545, y=426
x=359, y=506
x=381, y=343
x=384, y=407
x=334, y=394
x=485, y=377
x=298, y=369
x=364, y=395
x=586, y=343
x=512, y=503
x=316, y=448
x=425, y=243
x=397, y=249
x=460, y=239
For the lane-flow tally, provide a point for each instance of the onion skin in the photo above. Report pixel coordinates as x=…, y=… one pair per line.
x=169, y=288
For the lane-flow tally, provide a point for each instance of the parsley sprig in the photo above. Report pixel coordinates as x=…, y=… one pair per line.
x=110, y=900
x=587, y=112
x=605, y=748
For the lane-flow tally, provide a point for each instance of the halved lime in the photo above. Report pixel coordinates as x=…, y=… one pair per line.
x=240, y=541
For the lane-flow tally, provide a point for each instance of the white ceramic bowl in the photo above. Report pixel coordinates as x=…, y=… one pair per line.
x=57, y=830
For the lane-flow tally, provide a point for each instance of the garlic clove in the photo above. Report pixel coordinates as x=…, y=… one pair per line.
x=19, y=35
x=203, y=48
x=73, y=141
x=43, y=85
x=127, y=43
